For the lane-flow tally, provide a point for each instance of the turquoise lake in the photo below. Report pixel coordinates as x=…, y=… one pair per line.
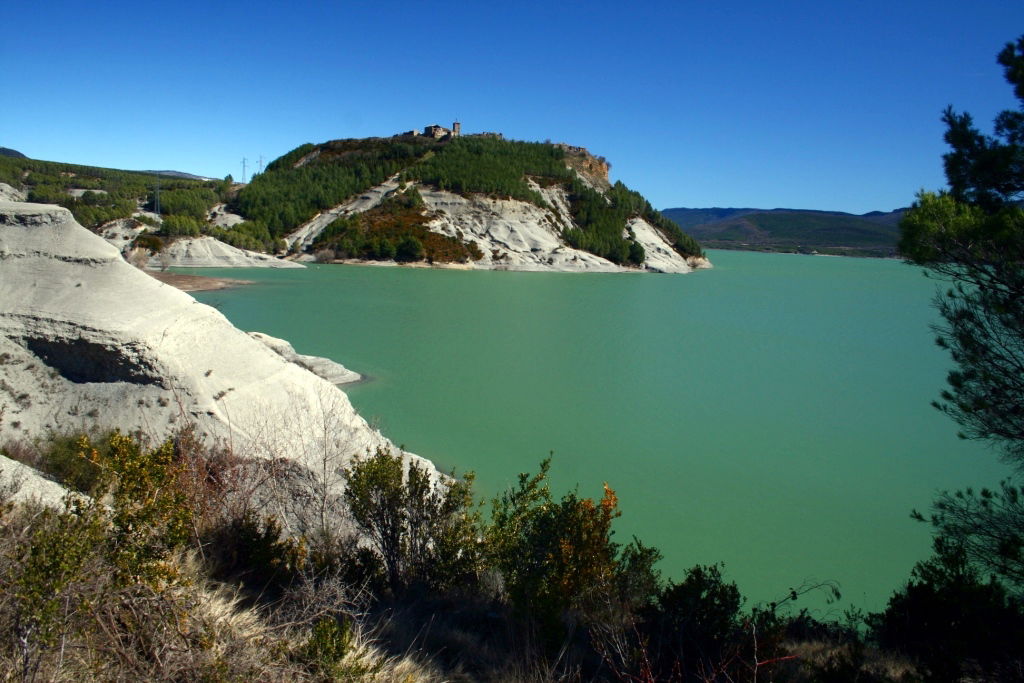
x=772, y=413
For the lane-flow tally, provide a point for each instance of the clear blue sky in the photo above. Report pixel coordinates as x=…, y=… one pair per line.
x=698, y=103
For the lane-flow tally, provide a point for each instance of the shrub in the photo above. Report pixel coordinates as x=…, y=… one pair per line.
x=151, y=243
x=553, y=556
x=328, y=644
x=951, y=620
x=182, y=225
x=408, y=249
x=253, y=549
x=424, y=530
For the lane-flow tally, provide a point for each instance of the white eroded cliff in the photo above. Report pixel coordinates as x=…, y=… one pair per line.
x=511, y=234
x=207, y=252
x=88, y=340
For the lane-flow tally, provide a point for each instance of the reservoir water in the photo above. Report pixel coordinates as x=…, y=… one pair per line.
x=772, y=413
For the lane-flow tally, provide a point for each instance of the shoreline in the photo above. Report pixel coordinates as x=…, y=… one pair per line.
x=510, y=268
x=196, y=283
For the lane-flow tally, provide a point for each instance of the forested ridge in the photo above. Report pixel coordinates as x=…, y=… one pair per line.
x=792, y=230
x=96, y=196
x=107, y=194
x=313, y=178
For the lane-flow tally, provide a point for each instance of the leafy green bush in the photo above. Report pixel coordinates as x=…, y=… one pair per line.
x=409, y=249
x=951, y=620
x=181, y=226
x=491, y=166
x=194, y=202
x=62, y=457
x=284, y=195
x=150, y=242
x=328, y=644
x=398, y=221
x=425, y=531
x=254, y=550
x=554, y=556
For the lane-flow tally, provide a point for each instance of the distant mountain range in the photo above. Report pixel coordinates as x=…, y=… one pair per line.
x=8, y=152
x=792, y=230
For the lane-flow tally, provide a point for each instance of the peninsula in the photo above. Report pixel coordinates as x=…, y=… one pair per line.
x=431, y=197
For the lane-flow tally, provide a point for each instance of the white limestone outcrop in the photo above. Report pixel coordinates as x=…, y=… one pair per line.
x=19, y=483
x=303, y=236
x=335, y=373
x=222, y=218
x=511, y=234
x=88, y=341
x=121, y=233
x=208, y=252
x=10, y=194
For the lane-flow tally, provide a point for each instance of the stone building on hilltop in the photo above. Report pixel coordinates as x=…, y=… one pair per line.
x=437, y=132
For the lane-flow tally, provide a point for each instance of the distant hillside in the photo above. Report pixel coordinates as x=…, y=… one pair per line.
x=97, y=196
x=563, y=187
x=7, y=152
x=178, y=174
x=792, y=230
x=476, y=200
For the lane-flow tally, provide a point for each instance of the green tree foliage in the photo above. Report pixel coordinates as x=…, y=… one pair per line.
x=181, y=226
x=973, y=239
x=424, y=530
x=152, y=243
x=110, y=194
x=602, y=224
x=192, y=202
x=490, y=166
x=252, y=235
x=312, y=178
x=398, y=221
x=981, y=255
x=558, y=557
x=989, y=526
x=953, y=621
x=409, y=249
x=290, y=192
x=989, y=170
x=694, y=625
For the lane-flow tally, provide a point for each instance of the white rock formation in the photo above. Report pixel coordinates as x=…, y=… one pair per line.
x=207, y=252
x=86, y=340
x=10, y=194
x=222, y=218
x=78, y=192
x=335, y=373
x=303, y=236
x=20, y=483
x=511, y=234
x=121, y=233
x=659, y=256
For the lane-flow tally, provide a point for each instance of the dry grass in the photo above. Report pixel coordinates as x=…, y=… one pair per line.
x=870, y=665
